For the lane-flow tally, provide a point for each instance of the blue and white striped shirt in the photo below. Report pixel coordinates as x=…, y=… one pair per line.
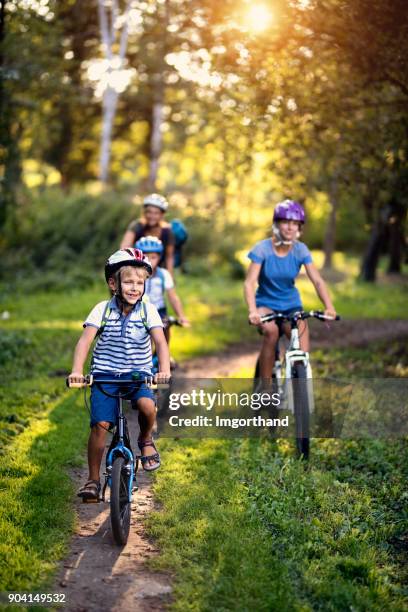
x=124, y=345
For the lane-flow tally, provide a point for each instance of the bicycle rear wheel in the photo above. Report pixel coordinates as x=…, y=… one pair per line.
x=120, y=507
x=302, y=410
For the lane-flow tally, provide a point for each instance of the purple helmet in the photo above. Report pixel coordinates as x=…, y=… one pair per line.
x=289, y=210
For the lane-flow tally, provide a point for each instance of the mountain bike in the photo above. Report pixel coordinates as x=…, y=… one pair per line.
x=121, y=463
x=292, y=376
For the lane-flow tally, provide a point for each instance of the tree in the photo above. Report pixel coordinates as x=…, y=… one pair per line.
x=114, y=33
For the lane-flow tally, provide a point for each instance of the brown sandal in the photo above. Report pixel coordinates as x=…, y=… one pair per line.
x=145, y=458
x=90, y=491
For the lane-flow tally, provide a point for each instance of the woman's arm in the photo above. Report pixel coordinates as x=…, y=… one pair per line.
x=321, y=289
x=81, y=353
x=169, y=259
x=162, y=350
x=177, y=306
x=250, y=284
x=128, y=240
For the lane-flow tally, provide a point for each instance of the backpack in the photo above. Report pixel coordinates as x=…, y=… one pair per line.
x=108, y=310
x=180, y=237
x=180, y=232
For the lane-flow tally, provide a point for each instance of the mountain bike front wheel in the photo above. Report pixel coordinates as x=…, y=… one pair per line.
x=301, y=410
x=120, y=507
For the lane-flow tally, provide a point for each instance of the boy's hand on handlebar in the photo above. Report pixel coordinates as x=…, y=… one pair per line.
x=76, y=377
x=254, y=317
x=184, y=322
x=161, y=378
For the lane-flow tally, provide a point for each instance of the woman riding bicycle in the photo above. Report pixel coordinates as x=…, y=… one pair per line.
x=270, y=282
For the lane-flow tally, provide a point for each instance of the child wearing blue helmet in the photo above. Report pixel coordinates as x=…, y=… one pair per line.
x=270, y=282
x=161, y=283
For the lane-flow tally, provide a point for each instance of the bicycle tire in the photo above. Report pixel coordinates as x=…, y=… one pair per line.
x=120, y=507
x=272, y=410
x=256, y=376
x=301, y=410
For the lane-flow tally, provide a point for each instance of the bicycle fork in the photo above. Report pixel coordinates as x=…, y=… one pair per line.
x=295, y=355
x=121, y=449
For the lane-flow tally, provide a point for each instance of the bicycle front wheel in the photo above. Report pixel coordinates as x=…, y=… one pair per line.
x=301, y=409
x=119, y=501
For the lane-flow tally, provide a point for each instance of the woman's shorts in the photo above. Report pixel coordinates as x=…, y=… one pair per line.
x=104, y=408
x=286, y=312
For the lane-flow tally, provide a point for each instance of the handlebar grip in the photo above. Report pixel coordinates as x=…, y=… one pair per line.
x=88, y=380
x=158, y=386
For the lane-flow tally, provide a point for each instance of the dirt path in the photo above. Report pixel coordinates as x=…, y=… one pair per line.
x=100, y=576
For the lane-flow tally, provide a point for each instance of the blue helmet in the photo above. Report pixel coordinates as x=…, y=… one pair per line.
x=150, y=244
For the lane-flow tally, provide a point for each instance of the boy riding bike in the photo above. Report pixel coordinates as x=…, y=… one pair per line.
x=124, y=326
x=275, y=263
x=161, y=283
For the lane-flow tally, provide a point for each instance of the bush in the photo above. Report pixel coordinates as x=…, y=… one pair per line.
x=61, y=241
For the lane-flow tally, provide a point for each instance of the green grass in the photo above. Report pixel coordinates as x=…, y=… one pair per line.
x=243, y=525
x=36, y=513
x=355, y=299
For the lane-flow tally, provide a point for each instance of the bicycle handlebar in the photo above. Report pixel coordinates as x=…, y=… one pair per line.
x=301, y=315
x=89, y=381
x=173, y=321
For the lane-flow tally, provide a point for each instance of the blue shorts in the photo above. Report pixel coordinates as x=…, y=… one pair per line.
x=162, y=312
x=287, y=312
x=104, y=408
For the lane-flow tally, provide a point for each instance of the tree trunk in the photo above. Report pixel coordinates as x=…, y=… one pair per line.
x=156, y=137
x=10, y=134
x=396, y=238
x=330, y=234
x=110, y=99
x=109, y=35
x=375, y=247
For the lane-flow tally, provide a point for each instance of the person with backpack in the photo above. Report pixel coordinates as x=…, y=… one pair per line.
x=160, y=284
x=153, y=224
x=124, y=327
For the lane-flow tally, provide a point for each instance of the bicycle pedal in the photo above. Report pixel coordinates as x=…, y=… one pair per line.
x=91, y=501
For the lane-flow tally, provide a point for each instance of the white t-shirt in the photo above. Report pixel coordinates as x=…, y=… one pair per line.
x=157, y=285
x=124, y=344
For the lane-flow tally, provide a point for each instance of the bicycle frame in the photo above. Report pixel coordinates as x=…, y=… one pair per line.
x=121, y=449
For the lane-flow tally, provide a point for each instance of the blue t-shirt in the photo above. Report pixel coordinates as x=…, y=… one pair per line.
x=276, y=285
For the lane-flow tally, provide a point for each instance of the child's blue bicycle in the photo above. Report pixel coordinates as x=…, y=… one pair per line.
x=121, y=463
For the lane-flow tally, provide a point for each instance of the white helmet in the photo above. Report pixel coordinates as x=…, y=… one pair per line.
x=127, y=257
x=154, y=199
